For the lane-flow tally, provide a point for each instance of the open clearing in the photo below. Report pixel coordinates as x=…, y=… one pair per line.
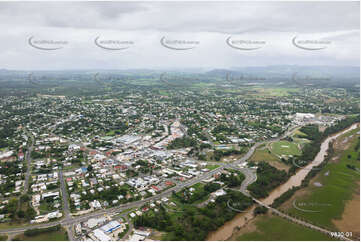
x=271, y=227
x=327, y=204
x=60, y=235
x=275, y=92
x=263, y=154
x=285, y=148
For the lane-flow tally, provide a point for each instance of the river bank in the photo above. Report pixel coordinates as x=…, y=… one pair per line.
x=241, y=220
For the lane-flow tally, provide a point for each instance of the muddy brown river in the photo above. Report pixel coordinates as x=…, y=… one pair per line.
x=241, y=219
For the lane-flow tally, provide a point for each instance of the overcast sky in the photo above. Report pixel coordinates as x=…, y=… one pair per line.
x=258, y=34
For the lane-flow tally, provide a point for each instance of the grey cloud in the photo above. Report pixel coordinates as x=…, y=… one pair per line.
x=147, y=22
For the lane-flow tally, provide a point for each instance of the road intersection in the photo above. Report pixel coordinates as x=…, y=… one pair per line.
x=68, y=220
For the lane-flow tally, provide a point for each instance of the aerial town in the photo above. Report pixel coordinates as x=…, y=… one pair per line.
x=96, y=166
x=180, y=120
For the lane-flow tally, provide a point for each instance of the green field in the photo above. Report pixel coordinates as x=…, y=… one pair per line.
x=301, y=141
x=276, y=228
x=164, y=93
x=285, y=148
x=276, y=92
x=60, y=235
x=212, y=167
x=110, y=133
x=299, y=137
x=338, y=185
x=263, y=154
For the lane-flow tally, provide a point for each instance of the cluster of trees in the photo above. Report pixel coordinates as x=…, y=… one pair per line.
x=312, y=133
x=34, y=232
x=37, y=155
x=118, y=127
x=310, y=150
x=342, y=124
x=183, y=142
x=205, y=146
x=224, y=129
x=268, y=177
x=52, y=186
x=19, y=210
x=7, y=132
x=218, y=154
x=352, y=167
x=284, y=197
x=160, y=221
x=212, y=187
x=7, y=169
x=107, y=194
x=57, y=152
x=260, y=210
x=185, y=195
x=265, y=125
x=194, y=223
x=10, y=168
x=232, y=180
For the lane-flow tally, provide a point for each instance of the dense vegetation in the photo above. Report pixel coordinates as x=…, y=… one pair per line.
x=233, y=180
x=194, y=223
x=311, y=149
x=218, y=154
x=260, y=210
x=183, y=142
x=268, y=178
x=34, y=232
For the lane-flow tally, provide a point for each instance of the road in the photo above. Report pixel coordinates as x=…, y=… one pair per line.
x=64, y=195
x=66, y=209
x=28, y=163
x=70, y=221
x=130, y=229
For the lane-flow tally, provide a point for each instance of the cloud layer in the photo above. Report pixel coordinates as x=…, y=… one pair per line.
x=210, y=24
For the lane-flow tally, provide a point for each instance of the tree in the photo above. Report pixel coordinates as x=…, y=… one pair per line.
x=21, y=214
x=30, y=213
x=24, y=198
x=260, y=210
x=90, y=168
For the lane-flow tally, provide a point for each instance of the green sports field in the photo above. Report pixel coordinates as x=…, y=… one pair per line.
x=285, y=148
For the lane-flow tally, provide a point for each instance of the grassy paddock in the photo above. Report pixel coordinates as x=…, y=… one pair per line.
x=212, y=167
x=338, y=185
x=263, y=154
x=60, y=235
x=270, y=227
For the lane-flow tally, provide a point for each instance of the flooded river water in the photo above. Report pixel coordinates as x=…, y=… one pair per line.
x=241, y=219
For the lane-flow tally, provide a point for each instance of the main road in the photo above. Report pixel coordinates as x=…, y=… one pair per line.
x=28, y=162
x=69, y=221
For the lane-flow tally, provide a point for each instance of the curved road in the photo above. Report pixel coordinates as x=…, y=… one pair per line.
x=69, y=221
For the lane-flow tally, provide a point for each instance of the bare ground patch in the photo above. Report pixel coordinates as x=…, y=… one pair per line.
x=350, y=221
x=250, y=227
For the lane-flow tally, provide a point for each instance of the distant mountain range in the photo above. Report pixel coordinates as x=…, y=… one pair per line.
x=289, y=70
x=277, y=70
